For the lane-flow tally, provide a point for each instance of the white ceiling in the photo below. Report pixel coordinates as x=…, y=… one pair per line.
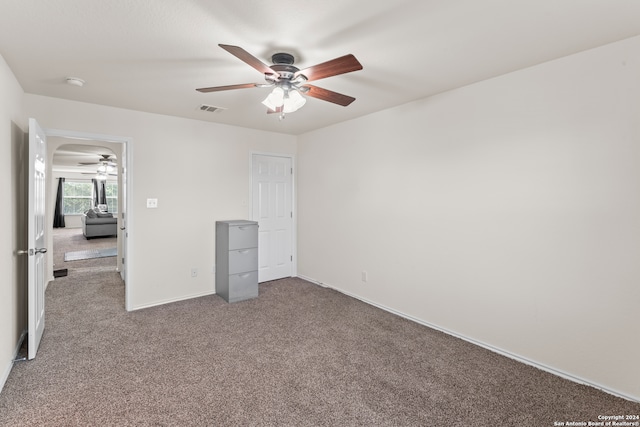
x=73, y=157
x=150, y=55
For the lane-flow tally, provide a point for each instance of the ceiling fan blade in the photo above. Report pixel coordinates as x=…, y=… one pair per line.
x=229, y=87
x=95, y=173
x=245, y=56
x=328, y=95
x=342, y=65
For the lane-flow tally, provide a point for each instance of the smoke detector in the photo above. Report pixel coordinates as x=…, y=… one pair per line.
x=75, y=81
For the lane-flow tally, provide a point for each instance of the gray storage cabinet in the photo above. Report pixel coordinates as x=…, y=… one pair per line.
x=237, y=260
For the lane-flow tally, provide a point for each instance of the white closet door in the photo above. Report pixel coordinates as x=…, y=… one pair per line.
x=272, y=208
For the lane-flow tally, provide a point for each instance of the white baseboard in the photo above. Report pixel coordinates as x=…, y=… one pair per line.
x=169, y=301
x=489, y=347
x=16, y=351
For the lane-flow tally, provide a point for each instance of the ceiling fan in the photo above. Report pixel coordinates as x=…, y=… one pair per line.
x=104, y=158
x=289, y=82
x=107, y=166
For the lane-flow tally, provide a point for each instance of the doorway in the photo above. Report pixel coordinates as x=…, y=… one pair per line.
x=121, y=147
x=85, y=179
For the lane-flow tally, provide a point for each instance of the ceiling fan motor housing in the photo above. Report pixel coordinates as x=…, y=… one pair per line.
x=283, y=65
x=282, y=59
x=286, y=72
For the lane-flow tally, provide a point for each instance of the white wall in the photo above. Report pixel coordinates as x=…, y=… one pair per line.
x=12, y=286
x=507, y=212
x=198, y=171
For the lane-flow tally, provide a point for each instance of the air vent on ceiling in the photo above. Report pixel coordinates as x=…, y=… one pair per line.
x=211, y=108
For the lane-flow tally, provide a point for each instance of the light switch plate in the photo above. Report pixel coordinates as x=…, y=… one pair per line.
x=152, y=203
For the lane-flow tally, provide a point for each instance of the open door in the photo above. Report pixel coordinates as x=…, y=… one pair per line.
x=36, y=239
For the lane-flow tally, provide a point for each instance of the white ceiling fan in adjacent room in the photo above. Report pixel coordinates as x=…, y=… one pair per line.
x=85, y=159
x=105, y=170
x=107, y=166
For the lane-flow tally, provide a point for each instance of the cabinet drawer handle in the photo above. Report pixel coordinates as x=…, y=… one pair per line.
x=244, y=275
x=243, y=251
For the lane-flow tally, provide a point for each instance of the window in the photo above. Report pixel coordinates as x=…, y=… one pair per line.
x=77, y=197
x=111, y=190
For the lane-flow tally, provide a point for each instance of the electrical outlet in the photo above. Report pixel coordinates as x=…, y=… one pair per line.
x=194, y=272
x=365, y=276
x=213, y=270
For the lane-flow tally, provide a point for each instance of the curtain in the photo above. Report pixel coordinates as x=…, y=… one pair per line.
x=103, y=192
x=96, y=192
x=58, y=214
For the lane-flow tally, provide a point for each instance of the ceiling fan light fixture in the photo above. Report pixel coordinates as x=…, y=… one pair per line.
x=293, y=102
x=275, y=99
x=106, y=168
x=286, y=101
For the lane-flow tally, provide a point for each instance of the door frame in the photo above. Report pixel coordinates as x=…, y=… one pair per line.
x=294, y=201
x=127, y=237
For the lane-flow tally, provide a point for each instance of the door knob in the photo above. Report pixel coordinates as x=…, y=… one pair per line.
x=33, y=251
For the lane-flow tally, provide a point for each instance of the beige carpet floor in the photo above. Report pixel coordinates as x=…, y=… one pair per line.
x=71, y=240
x=298, y=355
